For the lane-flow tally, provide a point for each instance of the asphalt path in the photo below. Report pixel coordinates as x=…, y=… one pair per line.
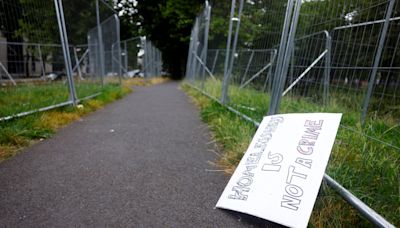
x=143, y=161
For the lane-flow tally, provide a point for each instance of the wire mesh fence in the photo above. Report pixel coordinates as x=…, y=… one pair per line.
x=138, y=58
x=32, y=60
x=132, y=57
x=314, y=56
x=92, y=27
x=152, y=59
x=57, y=52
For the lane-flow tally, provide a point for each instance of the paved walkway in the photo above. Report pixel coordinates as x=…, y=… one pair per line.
x=140, y=162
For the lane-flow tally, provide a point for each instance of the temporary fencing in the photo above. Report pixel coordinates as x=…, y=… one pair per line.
x=55, y=53
x=271, y=56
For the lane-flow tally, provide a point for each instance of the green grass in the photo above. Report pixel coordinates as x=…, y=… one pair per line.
x=26, y=97
x=18, y=133
x=21, y=132
x=367, y=168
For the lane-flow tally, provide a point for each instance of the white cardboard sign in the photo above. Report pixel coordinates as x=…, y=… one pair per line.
x=280, y=174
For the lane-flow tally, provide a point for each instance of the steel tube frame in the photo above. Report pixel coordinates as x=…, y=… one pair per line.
x=366, y=23
x=8, y=74
x=30, y=44
x=286, y=59
x=287, y=46
x=327, y=67
x=118, y=61
x=112, y=57
x=205, y=46
x=247, y=68
x=256, y=75
x=100, y=43
x=204, y=66
x=377, y=60
x=228, y=47
x=120, y=65
x=65, y=46
x=305, y=72
x=360, y=206
x=80, y=60
x=22, y=114
x=41, y=61
x=119, y=48
x=269, y=76
x=327, y=70
x=230, y=55
x=189, y=58
x=198, y=66
x=77, y=63
x=126, y=57
x=195, y=46
x=233, y=52
x=146, y=58
x=215, y=60
x=281, y=54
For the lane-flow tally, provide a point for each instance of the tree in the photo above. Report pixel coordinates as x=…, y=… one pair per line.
x=168, y=23
x=38, y=22
x=129, y=18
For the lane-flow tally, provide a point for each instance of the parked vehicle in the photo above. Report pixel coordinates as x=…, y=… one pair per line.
x=54, y=76
x=134, y=73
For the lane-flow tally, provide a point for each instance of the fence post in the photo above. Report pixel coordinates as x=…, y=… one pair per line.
x=247, y=68
x=215, y=61
x=113, y=59
x=41, y=62
x=118, y=50
x=159, y=62
x=293, y=62
x=327, y=71
x=100, y=42
x=269, y=76
x=228, y=46
x=230, y=54
x=233, y=51
x=189, y=56
x=148, y=70
x=150, y=56
x=77, y=63
x=150, y=50
x=146, y=57
x=195, y=48
x=205, y=46
x=126, y=57
x=283, y=61
x=377, y=60
x=65, y=47
x=232, y=57
x=154, y=60
x=281, y=53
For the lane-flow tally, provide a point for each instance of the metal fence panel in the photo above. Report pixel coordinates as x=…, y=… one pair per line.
x=93, y=28
x=41, y=69
x=32, y=63
x=315, y=56
x=152, y=59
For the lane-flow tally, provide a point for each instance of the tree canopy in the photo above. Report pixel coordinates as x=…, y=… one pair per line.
x=167, y=23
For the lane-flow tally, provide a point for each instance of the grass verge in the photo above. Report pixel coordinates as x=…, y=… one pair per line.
x=368, y=169
x=18, y=133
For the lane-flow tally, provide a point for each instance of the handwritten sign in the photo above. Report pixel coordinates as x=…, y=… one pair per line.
x=279, y=175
